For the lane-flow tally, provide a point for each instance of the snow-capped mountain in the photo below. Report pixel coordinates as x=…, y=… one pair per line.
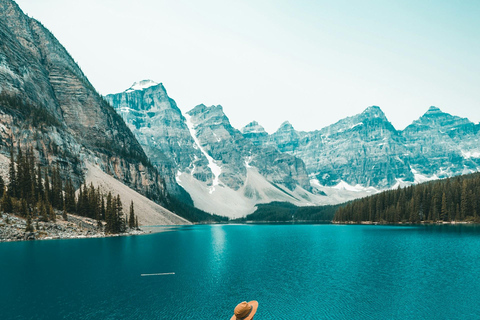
x=141, y=85
x=224, y=172
x=228, y=171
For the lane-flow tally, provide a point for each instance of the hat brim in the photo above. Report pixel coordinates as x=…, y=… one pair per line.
x=254, y=305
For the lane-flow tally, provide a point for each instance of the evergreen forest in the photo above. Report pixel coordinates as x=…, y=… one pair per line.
x=287, y=212
x=36, y=192
x=453, y=199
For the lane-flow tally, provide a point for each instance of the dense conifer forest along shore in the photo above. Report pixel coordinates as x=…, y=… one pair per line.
x=36, y=203
x=452, y=200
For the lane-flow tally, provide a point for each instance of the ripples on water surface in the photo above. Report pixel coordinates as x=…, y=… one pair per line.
x=294, y=271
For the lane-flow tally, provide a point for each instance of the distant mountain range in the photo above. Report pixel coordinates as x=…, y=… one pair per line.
x=228, y=171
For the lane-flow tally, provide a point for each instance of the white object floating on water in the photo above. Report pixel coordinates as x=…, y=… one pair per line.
x=156, y=274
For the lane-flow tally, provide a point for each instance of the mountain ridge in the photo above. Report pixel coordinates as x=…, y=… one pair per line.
x=353, y=157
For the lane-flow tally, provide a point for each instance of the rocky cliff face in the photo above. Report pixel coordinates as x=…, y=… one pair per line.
x=442, y=145
x=227, y=145
x=364, y=149
x=47, y=102
x=208, y=156
x=161, y=129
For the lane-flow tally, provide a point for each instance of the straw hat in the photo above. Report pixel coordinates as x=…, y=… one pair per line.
x=245, y=310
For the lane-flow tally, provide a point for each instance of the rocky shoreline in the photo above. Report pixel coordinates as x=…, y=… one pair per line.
x=12, y=228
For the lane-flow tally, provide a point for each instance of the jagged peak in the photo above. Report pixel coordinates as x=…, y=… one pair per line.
x=142, y=85
x=374, y=111
x=203, y=108
x=434, y=112
x=253, y=127
x=214, y=110
x=286, y=125
x=436, y=117
x=434, y=109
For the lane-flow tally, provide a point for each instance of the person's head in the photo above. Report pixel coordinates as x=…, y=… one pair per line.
x=245, y=310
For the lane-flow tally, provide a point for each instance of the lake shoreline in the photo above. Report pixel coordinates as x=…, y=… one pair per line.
x=12, y=229
x=77, y=227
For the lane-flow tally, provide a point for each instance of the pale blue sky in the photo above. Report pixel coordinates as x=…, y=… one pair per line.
x=309, y=62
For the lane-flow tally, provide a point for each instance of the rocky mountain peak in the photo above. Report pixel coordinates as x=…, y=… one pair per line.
x=286, y=126
x=253, y=127
x=142, y=85
x=254, y=132
x=434, y=117
x=212, y=116
x=373, y=112
x=433, y=110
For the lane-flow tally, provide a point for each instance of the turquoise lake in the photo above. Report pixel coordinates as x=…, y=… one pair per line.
x=293, y=271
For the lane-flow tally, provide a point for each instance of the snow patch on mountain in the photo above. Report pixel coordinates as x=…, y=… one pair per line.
x=470, y=154
x=238, y=203
x=142, y=85
x=212, y=164
x=342, y=185
x=340, y=195
x=420, y=178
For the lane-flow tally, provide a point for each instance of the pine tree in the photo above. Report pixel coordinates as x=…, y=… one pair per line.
x=120, y=221
x=12, y=186
x=56, y=197
x=457, y=213
x=109, y=213
x=7, y=205
x=102, y=207
x=29, y=227
x=2, y=186
x=51, y=213
x=20, y=174
x=39, y=192
x=444, y=211
x=136, y=222
x=47, y=191
x=414, y=216
x=435, y=213
x=464, y=205
x=42, y=210
x=64, y=213
x=24, y=210
x=70, y=196
x=131, y=219
x=86, y=205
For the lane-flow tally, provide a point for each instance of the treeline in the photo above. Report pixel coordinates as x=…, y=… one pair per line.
x=191, y=213
x=452, y=199
x=34, y=192
x=287, y=212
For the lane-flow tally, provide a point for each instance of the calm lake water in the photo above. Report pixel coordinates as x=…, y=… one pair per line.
x=294, y=271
